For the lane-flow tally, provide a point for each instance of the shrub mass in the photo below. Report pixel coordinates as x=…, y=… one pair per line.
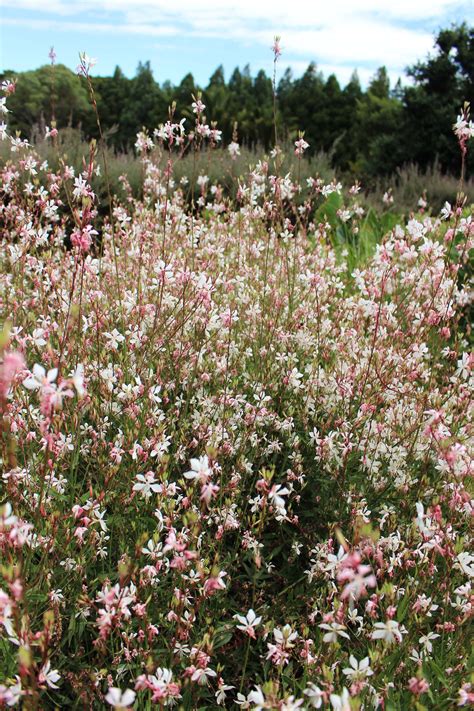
x=236, y=438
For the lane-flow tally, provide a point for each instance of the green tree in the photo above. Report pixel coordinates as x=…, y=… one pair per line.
x=301, y=103
x=46, y=90
x=114, y=96
x=441, y=85
x=182, y=95
x=376, y=129
x=145, y=104
x=345, y=147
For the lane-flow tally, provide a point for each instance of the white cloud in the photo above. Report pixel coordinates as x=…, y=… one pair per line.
x=342, y=34
x=360, y=41
x=279, y=11
x=96, y=27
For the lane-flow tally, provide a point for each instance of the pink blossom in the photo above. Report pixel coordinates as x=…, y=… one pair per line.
x=13, y=363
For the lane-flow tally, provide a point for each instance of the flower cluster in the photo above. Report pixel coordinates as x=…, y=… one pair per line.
x=235, y=455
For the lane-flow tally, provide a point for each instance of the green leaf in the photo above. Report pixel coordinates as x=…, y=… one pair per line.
x=328, y=210
x=438, y=672
x=403, y=607
x=222, y=636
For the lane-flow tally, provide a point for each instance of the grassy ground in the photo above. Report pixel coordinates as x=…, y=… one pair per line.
x=406, y=187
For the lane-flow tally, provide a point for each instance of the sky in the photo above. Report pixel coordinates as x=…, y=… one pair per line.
x=199, y=35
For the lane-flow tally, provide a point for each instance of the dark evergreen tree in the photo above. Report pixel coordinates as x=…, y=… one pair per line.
x=442, y=83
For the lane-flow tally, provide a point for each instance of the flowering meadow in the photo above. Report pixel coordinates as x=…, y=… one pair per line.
x=236, y=446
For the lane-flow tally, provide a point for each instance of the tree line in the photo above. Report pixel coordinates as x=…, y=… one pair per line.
x=368, y=133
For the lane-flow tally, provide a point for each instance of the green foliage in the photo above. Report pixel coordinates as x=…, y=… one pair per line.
x=378, y=117
x=442, y=83
x=48, y=93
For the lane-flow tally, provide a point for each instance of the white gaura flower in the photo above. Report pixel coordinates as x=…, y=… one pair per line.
x=147, y=484
x=417, y=656
x=48, y=675
x=464, y=366
x=154, y=394
x=248, y=623
x=202, y=675
x=114, y=338
x=465, y=563
x=78, y=380
x=37, y=337
x=108, y=375
x=234, y=150
x=423, y=523
x=12, y=694
x=446, y=211
x=89, y=61
x=6, y=613
x=334, y=630
x=285, y=636
x=315, y=695
x=199, y=469
x=333, y=560
x=341, y=702
x=257, y=698
x=388, y=631
x=120, y=699
x=294, y=379
x=39, y=378
x=358, y=670
x=426, y=640
x=276, y=494
x=220, y=694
